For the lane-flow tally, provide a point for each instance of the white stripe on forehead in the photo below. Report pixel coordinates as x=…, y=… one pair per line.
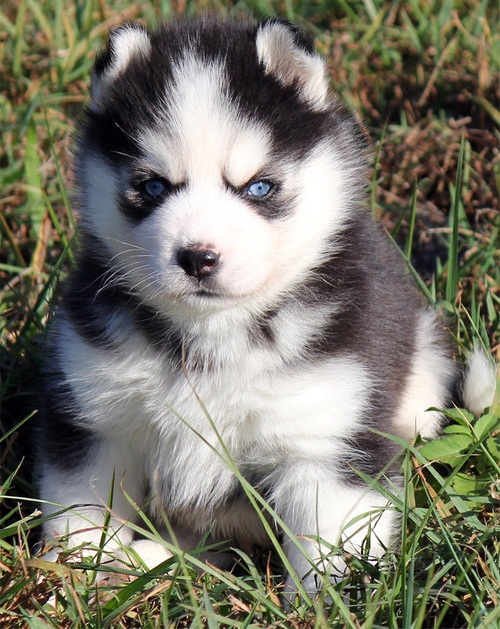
x=202, y=135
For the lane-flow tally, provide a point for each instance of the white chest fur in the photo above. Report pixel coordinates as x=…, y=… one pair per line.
x=189, y=427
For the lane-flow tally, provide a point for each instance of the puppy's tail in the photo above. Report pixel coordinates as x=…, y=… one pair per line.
x=479, y=382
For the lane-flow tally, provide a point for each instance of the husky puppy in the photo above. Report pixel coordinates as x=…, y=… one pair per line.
x=233, y=299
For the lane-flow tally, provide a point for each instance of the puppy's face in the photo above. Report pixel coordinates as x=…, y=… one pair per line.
x=213, y=168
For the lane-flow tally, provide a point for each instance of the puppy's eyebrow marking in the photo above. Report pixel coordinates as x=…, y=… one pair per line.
x=247, y=155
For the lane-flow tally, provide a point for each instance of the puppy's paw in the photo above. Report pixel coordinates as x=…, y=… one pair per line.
x=141, y=555
x=149, y=553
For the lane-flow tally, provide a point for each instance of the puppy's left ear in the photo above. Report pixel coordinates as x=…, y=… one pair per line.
x=292, y=60
x=125, y=43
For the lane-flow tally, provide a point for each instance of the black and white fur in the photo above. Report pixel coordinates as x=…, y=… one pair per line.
x=228, y=262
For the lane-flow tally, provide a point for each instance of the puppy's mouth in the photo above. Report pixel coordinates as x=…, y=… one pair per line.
x=203, y=292
x=205, y=287
x=210, y=293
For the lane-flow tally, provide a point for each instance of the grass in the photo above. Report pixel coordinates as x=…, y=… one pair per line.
x=422, y=78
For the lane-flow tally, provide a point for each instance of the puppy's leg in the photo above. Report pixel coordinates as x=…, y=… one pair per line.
x=314, y=505
x=84, y=490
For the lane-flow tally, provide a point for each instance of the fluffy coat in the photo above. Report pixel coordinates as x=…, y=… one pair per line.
x=232, y=288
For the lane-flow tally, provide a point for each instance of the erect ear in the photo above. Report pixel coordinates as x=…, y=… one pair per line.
x=124, y=44
x=291, y=59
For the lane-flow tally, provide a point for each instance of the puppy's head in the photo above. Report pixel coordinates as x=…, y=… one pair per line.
x=214, y=167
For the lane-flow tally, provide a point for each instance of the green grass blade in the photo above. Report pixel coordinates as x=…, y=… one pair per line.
x=452, y=264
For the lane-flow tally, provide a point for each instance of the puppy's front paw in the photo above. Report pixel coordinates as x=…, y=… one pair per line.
x=149, y=553
x=141, y=555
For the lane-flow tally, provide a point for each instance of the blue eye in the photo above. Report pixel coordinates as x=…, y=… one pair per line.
x=259, y=189
x=154, y=188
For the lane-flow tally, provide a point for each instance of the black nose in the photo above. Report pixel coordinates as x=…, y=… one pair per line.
x=197, y=262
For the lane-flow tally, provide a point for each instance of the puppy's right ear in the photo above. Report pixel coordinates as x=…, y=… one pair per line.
x=291, y=59
x=124, y=44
